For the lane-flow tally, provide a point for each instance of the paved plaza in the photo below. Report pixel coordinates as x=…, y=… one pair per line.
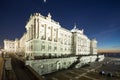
x=89, y=72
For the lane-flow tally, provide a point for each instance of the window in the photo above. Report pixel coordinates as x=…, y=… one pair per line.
x=55, y=48
x=65, y=49
x=49, y=38
x=54, y=29
x=31, y=47
x=49, y=48
x=61, y=41
x=43, y=38
x=64, y=63
x=48, y=27
x=42, y=25
x=55, y=40
x=42, y=46
x=61, y=49
x=69, y=43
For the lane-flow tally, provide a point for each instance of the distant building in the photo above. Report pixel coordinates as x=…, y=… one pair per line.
x=17, y=46
x=9, y=46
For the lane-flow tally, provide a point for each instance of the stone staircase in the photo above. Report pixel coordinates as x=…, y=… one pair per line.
x=75, y=63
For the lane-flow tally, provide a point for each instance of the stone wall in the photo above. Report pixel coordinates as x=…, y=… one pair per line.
x=46, y=66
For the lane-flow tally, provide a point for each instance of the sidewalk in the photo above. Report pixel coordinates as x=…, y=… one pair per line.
x=1, y=67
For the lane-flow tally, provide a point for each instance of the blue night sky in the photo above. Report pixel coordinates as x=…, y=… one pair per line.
x=100, y=19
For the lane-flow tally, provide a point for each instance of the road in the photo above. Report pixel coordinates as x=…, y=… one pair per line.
x=22, y=73
x=1, y=67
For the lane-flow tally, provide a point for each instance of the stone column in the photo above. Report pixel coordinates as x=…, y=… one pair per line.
x=34, y=28
x=45, y=31
x=37, y=28
x=31, y=31
x=36, y=32
x=51, y=33
x=57, y=34
x=28, y=34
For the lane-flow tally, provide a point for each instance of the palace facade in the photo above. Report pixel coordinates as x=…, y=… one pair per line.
x=46, y=37
x=59, y=48
x=15, y=46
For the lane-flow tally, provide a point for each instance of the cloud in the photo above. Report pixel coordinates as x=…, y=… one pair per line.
x=111, y=29
x=108, y=39
x=116, y=46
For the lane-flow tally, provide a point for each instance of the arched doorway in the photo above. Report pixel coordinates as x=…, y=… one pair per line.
x=59, y=66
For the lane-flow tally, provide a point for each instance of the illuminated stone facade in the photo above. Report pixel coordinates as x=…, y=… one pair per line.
x=47, y=37
x=9, y=46
x=15, y=46
x=48, y=47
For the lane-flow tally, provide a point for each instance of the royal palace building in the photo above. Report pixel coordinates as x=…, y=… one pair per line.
x=45, y=37
x=48, y=47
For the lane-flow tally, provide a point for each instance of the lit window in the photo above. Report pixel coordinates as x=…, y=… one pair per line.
x=48, y=27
